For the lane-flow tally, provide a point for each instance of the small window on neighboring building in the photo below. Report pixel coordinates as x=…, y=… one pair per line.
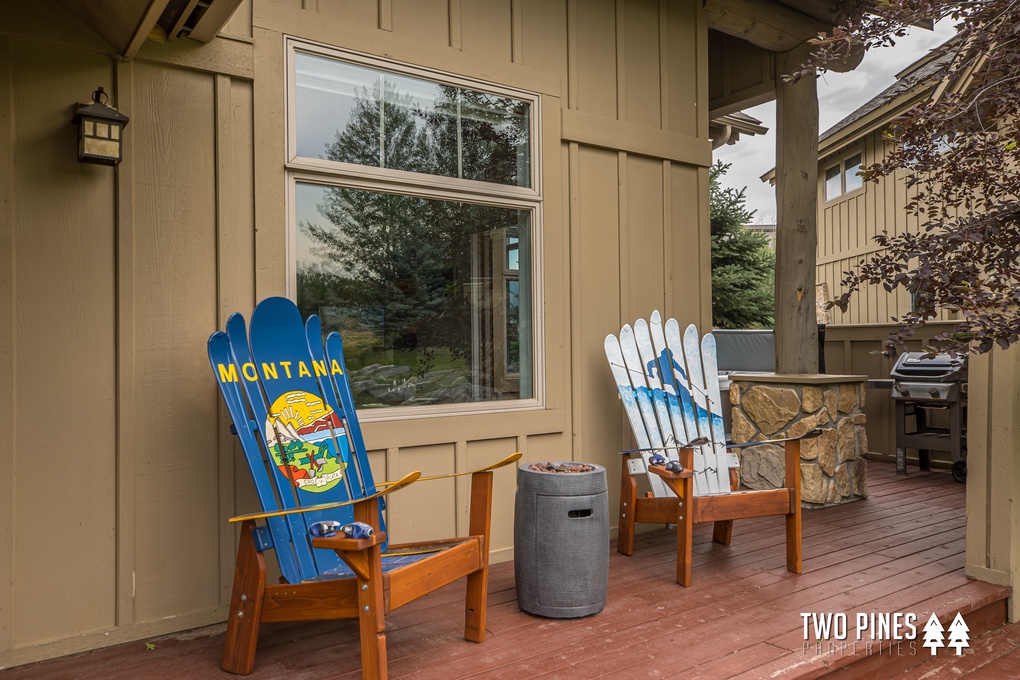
x=844, y=177
x=852, y=174
x=832, y=183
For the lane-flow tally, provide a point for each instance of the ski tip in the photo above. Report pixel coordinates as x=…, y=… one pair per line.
x=512, y=458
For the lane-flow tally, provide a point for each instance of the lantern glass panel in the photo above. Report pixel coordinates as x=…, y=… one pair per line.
x=89, y=128
x=102, y=147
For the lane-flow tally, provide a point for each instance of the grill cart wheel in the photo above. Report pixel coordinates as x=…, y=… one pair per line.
x=960, y=471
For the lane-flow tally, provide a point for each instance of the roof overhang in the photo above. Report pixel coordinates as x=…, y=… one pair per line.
x=772, y=25
x=126, y=24
x=728, y=129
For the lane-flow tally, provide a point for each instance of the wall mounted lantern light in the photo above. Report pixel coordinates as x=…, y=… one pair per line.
x=100, y=131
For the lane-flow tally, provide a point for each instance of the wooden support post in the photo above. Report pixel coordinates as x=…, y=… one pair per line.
x=797, y=208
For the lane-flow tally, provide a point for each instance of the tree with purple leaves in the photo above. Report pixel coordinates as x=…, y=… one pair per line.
x=959, y=150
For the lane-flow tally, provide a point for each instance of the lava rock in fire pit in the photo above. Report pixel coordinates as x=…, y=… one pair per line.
x=561, y=467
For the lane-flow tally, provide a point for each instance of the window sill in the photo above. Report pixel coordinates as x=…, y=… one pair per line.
x=844, y=197
x=424, y=430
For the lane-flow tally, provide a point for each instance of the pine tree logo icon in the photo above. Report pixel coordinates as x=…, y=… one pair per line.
x=933, y=638
x=958, y=634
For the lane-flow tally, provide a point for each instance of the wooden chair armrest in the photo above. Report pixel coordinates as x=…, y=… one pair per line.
x=663, y=472
x=340, y=542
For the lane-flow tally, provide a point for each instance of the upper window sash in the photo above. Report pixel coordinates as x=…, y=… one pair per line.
x=852, y=180
x=833, y=188
x=353, y=115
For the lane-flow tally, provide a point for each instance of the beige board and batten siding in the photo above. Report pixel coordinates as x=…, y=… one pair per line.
x=857, y=349
x=57, y=351
x=847, y=228
x=116, y=497
x=120, y=471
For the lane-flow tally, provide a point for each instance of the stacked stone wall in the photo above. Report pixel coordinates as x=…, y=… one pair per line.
x=833, y=468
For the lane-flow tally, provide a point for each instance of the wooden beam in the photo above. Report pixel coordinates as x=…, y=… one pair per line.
x=213, y=19
x=181, y=19
x=797, y=206
x=764, y=23
x=822, y=10
x=145, y=25
x=849, y=62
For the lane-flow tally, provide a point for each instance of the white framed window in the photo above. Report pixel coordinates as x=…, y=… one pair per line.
x=843, y=176
x=415, y=205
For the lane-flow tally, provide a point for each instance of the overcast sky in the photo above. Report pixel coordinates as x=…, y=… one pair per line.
x=838, y=95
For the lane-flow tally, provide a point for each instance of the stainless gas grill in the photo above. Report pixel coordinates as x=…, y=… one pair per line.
x=932, y=390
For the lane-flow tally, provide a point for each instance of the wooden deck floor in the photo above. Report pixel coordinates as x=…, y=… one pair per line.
x=900, y=551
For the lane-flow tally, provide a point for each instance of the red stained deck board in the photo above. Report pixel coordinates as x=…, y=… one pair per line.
x=1004, y=667
x=983, y=650
x=899, y=550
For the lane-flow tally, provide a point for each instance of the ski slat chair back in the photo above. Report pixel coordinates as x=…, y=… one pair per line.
x=668, y=381
x=292, y=410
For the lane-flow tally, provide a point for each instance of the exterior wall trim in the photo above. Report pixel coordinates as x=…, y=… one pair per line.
x=313, y=27
x=594, y=130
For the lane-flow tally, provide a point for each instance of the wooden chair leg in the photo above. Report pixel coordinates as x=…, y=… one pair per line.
x=723, y=531
x=794, y=552
x=371, y=606
x=685, y=523
x=478, y=582
x=245, y=605
x=628, y=509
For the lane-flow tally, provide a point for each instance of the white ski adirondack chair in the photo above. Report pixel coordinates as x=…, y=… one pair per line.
x=669, y=385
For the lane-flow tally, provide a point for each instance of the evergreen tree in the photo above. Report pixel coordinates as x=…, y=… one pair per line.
x=412, y=256
x=743, y=265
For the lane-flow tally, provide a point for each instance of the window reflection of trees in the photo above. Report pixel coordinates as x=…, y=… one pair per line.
x=412, y=280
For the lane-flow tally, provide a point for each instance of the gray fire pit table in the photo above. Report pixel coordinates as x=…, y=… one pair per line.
x=561, y=541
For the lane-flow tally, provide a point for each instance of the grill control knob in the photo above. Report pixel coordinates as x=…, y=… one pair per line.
x=934, y=392
x=902, y=389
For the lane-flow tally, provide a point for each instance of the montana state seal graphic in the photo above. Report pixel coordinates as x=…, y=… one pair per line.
x=307, y=440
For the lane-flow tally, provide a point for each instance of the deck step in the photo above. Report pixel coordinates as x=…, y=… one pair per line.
x=996, y=654
x=984, y=609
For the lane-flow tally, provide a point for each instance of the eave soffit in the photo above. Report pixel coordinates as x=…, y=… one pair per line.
x=126, y=24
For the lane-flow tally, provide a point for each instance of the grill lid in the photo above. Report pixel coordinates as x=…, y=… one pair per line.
x=918, y=366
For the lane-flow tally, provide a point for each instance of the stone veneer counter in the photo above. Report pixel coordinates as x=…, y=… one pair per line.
x=773, y=406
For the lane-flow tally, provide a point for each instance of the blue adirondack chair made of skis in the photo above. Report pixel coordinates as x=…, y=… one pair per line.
x=292, y=409
x=668, y=382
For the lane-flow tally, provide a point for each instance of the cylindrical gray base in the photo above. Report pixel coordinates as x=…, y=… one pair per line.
x=561, y=542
